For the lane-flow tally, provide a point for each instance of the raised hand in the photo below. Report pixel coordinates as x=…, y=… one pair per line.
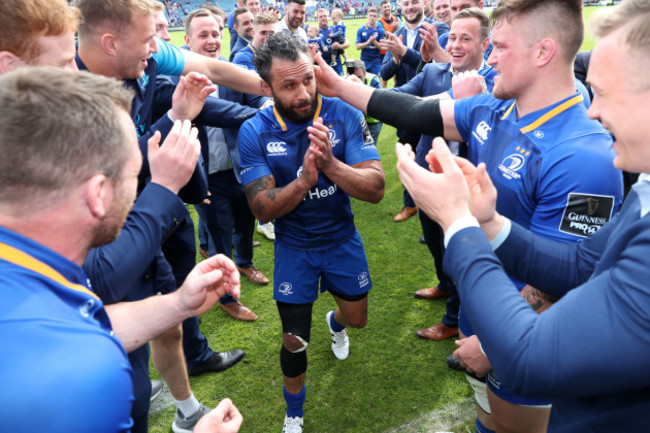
x=173, y=163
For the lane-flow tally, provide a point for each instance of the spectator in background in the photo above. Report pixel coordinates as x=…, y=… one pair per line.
x=435, y=49
x=293, y=20
x=357, y=69
x=442, y=11
x=314, y=40
x=401, y=62
x=264, y=26
x=253, y=6
x=339, y=39
x=231, y=24
x=390, y=24
x=368, y=38
x=245, y=30
x=227, y=217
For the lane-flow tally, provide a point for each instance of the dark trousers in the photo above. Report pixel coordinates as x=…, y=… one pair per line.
x=228, y=210
x=413, y=141
x=434, y=237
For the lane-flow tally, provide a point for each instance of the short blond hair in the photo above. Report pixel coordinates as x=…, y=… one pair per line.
x=263, y=18
x=337, y=13
x=116, y=14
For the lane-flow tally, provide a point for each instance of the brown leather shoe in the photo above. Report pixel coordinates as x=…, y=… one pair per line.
x=239, y=312
x=431, y=293
x=405, y=213
x=254, y=275
x=438, y=332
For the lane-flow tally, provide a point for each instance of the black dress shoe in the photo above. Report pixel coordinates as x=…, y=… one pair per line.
x=220, y=361
x=454, y=363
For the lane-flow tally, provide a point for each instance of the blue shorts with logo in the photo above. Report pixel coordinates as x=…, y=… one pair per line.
x=342, y=268
x=495, y=386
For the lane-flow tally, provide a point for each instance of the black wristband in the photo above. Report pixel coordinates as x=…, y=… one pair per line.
x=407, y=112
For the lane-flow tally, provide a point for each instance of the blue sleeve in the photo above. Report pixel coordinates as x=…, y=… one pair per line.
x=412, y=57
x=388, y=67
x=170, y=59
x=232, y=31
x=414, y=86
x=243, y=59
x=578, y=348
x=358, y=148
x=443, y=40
x=442, y=29
x=222, y=113
x=463, y=114
x=359, y=36
x=115, y=267
x=253, y=161
x=565, y=265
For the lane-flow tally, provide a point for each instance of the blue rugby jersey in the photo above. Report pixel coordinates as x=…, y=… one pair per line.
x=244, y=57
x=57, y=341
x=370, y=55
x=272, y=145
x=552, y=168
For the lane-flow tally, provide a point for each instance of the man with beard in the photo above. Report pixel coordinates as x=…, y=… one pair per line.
x=293, y=19
x=69, y=190
x=301, y=160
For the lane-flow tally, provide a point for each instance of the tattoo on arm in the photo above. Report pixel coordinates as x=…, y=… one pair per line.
x=537, y=299
x=256, y=186
x=252, y=191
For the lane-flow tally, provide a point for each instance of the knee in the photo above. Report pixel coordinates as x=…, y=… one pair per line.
x=357, y=319
x=294, y=343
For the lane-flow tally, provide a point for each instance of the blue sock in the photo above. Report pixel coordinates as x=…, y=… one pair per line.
x=295, y=402
x=336, y=326
x=480, y=428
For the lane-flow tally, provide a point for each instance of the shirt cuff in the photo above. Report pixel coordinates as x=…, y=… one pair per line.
x=458, y=225
x=503, y=234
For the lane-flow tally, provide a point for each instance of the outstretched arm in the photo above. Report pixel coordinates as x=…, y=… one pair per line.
x=135, y=323
x=402, y=111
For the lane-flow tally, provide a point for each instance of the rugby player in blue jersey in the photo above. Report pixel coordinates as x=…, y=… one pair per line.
x=300, y=162
x=550, y=163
